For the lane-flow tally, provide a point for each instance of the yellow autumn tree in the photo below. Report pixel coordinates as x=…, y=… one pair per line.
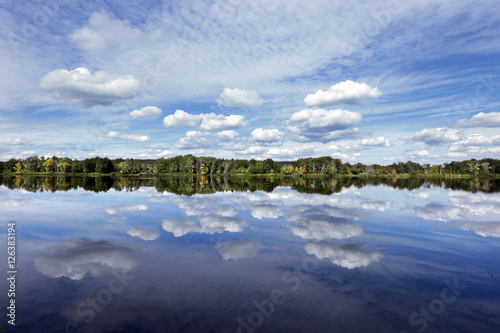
x=49, y=165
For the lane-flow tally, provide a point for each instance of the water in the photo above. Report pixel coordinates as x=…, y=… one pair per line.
x=253, y=255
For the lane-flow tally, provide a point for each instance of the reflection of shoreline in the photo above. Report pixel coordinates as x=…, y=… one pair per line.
x=189, y=185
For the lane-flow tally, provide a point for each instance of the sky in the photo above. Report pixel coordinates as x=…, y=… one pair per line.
x=364, y=81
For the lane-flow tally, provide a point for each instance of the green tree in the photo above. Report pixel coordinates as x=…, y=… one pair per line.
x=32, y=164
x=103, y=165
x=76, y=166
x=65, y=165
x=124, y=167
x=49, y=165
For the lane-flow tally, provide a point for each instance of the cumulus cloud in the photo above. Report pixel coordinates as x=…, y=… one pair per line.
x=266, y=211
x=458, y=150
x=239, y=98
x=227, y=135
x=344, y=156
x=131, y=137
x=327, y=227
x=479, y=140
x=198, y=206
x=436, y=211
x=456, y=154
x=142, y=233
x=421, y=154
x=145, y=112
x=320, y=118
x=347, y=92
x=349, y=256
x=236, y=250
x=194, y=140
x=252, y=150
x=481, y=119
x=485, y=229
x=181, y=119
x=266, y=135
x=209, y=121
x=164, y=153
x=305, y=150
x=324, y=125
x=28, y=153
x=325, y=222
x=207, y=225
x=436, y=136
x=378, y=142
x=79, y=86
x=77, y=258
x=220, y=122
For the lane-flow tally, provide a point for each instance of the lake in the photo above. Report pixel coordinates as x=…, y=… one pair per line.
x=252, y=254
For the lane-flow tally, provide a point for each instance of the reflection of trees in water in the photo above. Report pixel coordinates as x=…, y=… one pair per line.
x=189, y=185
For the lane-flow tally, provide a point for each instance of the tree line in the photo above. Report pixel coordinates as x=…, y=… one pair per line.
x=209, y=166
x=195, y=184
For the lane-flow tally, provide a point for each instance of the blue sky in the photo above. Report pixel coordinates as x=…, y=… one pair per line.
x=362, y=81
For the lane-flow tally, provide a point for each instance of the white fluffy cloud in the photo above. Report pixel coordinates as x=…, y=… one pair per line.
x=463, y=149
x=481, y=119
x=347, y=92
x=305, y=150
x=82, y=256
x=212, y=122
x=252, y=150
x=456, y=154
x=436, y=211
x=344, y=156
x=194, y=140
x=324, y=222
x=181, y=119
x=227, y=135
x=145, y=112
x=378, y=142
x=81, y=87
x=321, y=118
x=239, y=98
x=484, y=229
x=132, y=137
x=266, y=135
x=479, y=140
x=324, y=125
x=327, y=227
x=266, y=211
x=436, y=136
x=349, y=256
x=209, y=121
x=206, y=225
x=142, y=233
x=235, y=250
x=421, y=154
x=164, y=153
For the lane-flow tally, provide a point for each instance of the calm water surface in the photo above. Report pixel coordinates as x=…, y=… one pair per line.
x=253, y=255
